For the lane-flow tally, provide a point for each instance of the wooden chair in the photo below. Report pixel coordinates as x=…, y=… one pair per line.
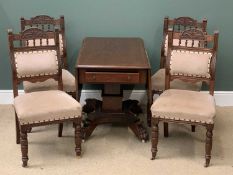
x=37, y=63
x=191, y=64
x=158, y=79
x=48, y=23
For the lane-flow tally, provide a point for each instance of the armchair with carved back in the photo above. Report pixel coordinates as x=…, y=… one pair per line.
x=189, y=63
x=38, y=63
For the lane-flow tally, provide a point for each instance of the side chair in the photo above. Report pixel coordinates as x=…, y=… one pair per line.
x=48, y=23
x=158, y=78
x=189, y=63
x=38, y=63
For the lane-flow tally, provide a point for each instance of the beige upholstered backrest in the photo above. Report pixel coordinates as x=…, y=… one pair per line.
x=32, y=58
x=187, y=59
x=190, y=63
x=36, y=63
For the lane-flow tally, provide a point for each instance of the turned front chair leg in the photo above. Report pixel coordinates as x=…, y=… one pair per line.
x=78, y=138
x=208, y=146
x=165, y=128
x=60, y=129
x=24, y=145
x=154, y=137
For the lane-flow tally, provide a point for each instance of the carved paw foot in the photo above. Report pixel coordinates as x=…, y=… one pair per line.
x=92, y=105
x=142, y=132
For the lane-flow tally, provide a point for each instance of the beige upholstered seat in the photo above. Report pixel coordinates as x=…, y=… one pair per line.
x=185, y=105
x=158, y=83
x=68, y=84
x=44, y=106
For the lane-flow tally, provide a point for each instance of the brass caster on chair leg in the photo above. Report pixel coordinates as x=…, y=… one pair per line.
x=153, y=155
x=24, y=164
x=78, y=155
x=143, y=141
x=152, y=158
x=207, y=164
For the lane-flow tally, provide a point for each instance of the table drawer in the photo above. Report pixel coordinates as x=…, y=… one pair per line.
x=111, y=77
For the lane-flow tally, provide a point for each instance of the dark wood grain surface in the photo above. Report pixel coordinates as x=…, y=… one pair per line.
x=119, y=53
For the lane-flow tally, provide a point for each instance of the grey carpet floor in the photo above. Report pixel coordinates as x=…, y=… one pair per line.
x=114, y=150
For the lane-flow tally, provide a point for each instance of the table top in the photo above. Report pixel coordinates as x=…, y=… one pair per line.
x=113, y=53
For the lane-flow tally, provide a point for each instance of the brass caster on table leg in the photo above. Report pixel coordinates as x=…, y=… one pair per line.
x=83, y=140
x=143, y=141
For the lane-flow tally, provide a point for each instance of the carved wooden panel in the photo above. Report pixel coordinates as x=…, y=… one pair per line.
x=193, y=34
x=42, y=19
x=185, y=21
x=33, y=33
